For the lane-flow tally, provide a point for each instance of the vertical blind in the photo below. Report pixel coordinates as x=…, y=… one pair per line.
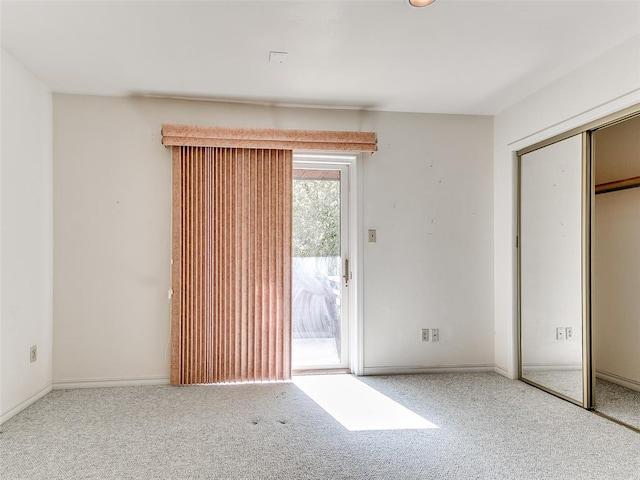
x=231, y=318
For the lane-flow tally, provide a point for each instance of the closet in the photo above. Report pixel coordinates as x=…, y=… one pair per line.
x=579, y=266
x=616, y=271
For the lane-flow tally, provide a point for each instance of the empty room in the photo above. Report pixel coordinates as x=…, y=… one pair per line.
x=320, y=239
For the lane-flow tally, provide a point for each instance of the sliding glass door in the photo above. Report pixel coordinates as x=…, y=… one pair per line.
x=320, y=266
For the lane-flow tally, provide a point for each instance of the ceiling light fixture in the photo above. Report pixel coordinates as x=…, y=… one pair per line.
x=420, y=3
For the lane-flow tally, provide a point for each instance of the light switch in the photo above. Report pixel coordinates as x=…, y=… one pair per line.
x=372, y=236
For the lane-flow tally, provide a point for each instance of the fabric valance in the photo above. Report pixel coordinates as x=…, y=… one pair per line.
x=316, y=140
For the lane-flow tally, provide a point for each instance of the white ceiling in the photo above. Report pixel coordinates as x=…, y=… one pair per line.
x=475, y=57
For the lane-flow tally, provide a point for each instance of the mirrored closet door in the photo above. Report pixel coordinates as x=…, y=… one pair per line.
x=552, y=251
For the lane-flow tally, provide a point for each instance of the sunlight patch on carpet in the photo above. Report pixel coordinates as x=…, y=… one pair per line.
x=357, y=406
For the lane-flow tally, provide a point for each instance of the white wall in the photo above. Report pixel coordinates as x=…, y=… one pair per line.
x=607, y=84
x=26, y=243
x=428, y=192
x=616, y=303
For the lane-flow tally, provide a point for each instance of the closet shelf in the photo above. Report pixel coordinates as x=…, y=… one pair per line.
x=618, y=185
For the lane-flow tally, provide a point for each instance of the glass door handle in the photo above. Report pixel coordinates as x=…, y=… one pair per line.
x=346, y=272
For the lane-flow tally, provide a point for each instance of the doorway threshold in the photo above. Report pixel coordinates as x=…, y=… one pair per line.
x=319, y=371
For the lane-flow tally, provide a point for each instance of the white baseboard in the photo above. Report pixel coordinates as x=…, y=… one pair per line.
x=403, y=370
x=503, y=371
x=66, y=384
x=11, y=411
x=619, y=380
x=554, y=368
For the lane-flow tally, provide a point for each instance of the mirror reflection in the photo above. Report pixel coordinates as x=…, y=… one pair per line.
x=551, y=267
x=616, y=271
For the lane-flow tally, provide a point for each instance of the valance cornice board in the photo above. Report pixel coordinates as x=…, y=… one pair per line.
x=195, y=136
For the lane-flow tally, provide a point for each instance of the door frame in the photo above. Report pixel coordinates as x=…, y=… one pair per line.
x=353, y=164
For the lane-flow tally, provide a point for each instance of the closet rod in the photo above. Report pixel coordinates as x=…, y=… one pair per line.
x=618, y=185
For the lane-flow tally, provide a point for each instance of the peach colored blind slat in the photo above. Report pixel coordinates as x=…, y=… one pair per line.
x=231, y=314
x=190, y=135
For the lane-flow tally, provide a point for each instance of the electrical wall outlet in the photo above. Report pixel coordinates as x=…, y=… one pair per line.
x=568, y=333
x=560, y=333
x=435, y=335
x=33, y=353
x=425, y=334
